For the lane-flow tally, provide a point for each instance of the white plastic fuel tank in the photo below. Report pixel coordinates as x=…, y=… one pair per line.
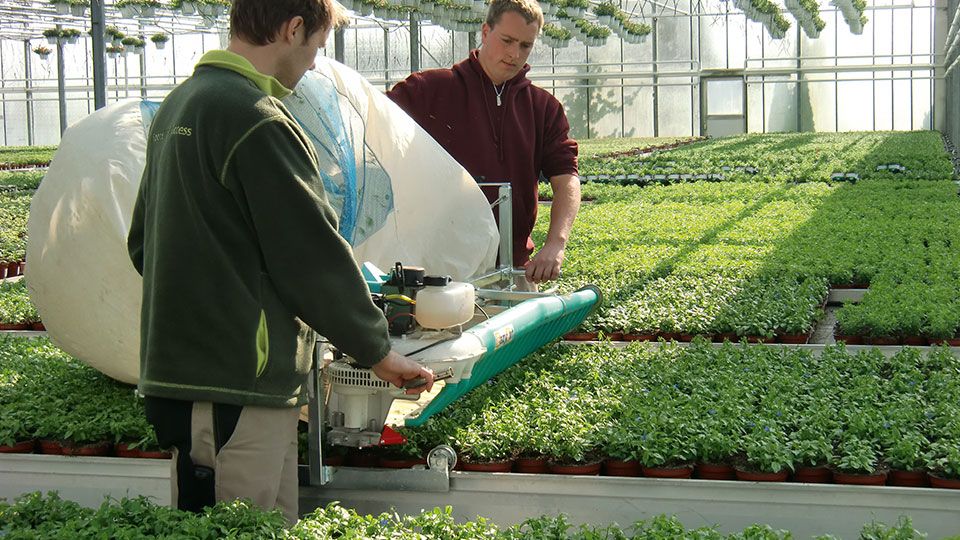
x=443, y=303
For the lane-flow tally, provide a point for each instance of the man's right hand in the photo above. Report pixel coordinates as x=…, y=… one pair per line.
x=397, y=369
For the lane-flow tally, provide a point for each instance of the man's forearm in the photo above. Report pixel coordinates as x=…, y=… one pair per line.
x=566, y=204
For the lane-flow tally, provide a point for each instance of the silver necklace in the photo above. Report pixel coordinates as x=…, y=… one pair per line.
x=499, y=92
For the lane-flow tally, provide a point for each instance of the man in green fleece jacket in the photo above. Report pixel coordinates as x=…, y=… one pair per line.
x=241, y=262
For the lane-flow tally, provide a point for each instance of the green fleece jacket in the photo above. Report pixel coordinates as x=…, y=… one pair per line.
x=238, y=248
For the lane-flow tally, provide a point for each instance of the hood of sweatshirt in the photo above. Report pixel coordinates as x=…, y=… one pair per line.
x=472, y=71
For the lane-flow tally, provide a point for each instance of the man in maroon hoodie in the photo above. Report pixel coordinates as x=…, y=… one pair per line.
x=490, y=118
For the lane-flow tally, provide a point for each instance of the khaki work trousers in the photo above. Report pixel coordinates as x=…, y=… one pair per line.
x=256, y=459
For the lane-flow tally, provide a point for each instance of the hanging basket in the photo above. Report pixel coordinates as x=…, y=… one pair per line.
x=188, y=8
x=78, y=10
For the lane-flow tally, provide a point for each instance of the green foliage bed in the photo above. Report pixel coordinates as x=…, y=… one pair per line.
x=755, y=258
x=766, y=409
x=34, y=516
x=785, y=157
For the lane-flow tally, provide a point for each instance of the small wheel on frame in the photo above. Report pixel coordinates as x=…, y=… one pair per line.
x=442, y=456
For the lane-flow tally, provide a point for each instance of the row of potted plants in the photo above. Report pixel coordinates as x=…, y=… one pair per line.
x=54, y=404
x=767, y=412
x=17, y=312
x=807, y=14
x=725, y=257
x=13, y=157
x=791, y=157
x=34, y=515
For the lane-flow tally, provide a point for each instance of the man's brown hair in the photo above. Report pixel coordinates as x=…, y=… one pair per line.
x=259, y=21
x=528, y=9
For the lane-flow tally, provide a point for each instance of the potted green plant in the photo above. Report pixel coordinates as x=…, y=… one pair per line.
x=160, y=40
x=15, y=432
x=42, y=52
x=944, y=463
x=857, y=461
x=907, y=455
x=767, y=456
x=62, y=6
x=71, y=35
x=53, y=35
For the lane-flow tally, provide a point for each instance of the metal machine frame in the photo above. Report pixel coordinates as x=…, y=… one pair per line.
x=495, y=288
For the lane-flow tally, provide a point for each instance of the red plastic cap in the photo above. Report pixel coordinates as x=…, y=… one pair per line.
x=390, y=436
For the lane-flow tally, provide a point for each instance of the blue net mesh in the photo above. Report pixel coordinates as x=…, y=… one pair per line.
x=357, y=186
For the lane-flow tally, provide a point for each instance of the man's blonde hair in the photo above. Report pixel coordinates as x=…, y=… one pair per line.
x=528, y=9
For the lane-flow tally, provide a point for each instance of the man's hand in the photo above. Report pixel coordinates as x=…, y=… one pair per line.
x=545, y=265
x=397, y=369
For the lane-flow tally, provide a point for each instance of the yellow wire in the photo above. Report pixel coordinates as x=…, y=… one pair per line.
x=403, y=297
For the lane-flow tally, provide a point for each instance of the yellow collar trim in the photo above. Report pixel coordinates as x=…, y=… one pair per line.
x=235, y=62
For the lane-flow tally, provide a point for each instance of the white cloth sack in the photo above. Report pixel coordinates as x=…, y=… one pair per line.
x=417, y=206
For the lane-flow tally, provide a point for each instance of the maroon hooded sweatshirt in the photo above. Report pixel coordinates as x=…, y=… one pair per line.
x=516, y=142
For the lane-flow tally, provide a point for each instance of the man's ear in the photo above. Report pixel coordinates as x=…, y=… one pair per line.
x=484, y=30
x=290, y=29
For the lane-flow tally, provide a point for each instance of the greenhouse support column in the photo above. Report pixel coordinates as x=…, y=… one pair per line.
x=339, y=46
x=799, y=80
x=28, y=89
x=472, y=41
x=61, y=86
x=143, y=73
x=99, y=54
x=386, y=59
x=414, y=44
x=656, y=81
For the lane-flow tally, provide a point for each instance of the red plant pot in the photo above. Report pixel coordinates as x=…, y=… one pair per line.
x=849, y=340
x=941, y=482
x=686, y=338
x=683, y=471
x=92, y=449
x=49, y=446
x=580, y=336
x=38, y=326
x=813, y=475
x=908, y=478
x=883, y=341
x=123, y=450
x=489, y=466
x=715, y=471
x=615, y=336
x=3, y=271
x=953, y=342
x=13, y=269
x=638, y=337
x=531, y=465
x=21, y=447
x=15, y=326
x=794, y=339
x=580, y=469
x=728, y=336
x=669, y=336
x=22, y=270
x=617, y=467
x=916, y=341
x=756, y=476
x=155, y=454
x=873, y=479
x=761, y=339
